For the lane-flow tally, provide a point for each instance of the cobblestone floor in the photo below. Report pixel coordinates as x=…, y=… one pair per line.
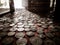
x=26, y=28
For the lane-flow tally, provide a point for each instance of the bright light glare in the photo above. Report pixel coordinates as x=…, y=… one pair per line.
x=5, y=4
x=18, y=4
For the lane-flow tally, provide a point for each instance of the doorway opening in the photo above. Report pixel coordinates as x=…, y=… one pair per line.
x=18, y=4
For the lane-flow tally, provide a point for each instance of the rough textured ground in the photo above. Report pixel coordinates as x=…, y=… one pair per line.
x=24, y=26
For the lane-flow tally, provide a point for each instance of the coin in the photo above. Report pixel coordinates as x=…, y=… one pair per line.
x=36, y=41
x=19, y=34
x=21, y=41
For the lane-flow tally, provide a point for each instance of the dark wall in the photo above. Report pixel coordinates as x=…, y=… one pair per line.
x=39, y=6
x=57, y=12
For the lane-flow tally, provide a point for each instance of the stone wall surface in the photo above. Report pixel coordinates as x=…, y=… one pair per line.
x=39, y=6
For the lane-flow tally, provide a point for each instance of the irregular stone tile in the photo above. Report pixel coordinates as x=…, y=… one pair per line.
x=21, y=41
x=20, y=29
x=36, y=41
x=7, y=40
x=50, y=35
x=11, y=33
x=13, y=29
x=19, y=35
x=27, y=29
x=49, y=42
x=41, y=35
x=40, y=30
x=3, y=34
x=33, y=28
x=30, y=33
x=12, y=24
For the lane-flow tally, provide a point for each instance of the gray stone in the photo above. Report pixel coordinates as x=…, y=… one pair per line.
x=20, y=29
x=49, y=42
x=11, y=33
x=7, y=40
x=30, y=33
x=21, y=41
x=19, y=35
x=2, y=34
x=36, y=41
x=40, y=30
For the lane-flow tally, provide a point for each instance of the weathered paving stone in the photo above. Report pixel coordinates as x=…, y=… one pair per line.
x=7, y=40
x=20, y=25
x=44, y=26
x=25, y=21
x=27, y=29
x=50, y=35
x=51, y=27
x=33, y=28
x=26, y=26
x=40, y=30
x=6, y=25
x=6, y=29
x=1, y=27
x=11, y=33
x=41, y=35
x=36, y=41
x=49, y=42
x=21, y=41
x=3, y=34
x=30, y=33
x=0, y=38
x=13, y=29
x=19, y=35
x=20, y=29
x=43, y=22
x=50, y=22
x=12, y=24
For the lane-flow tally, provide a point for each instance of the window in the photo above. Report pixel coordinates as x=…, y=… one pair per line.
x=4, y=6
x=18, y=4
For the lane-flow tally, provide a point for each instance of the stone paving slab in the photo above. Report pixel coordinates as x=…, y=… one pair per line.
x=26, y=24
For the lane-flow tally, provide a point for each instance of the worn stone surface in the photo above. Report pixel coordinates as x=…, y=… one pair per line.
x=24, y=24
